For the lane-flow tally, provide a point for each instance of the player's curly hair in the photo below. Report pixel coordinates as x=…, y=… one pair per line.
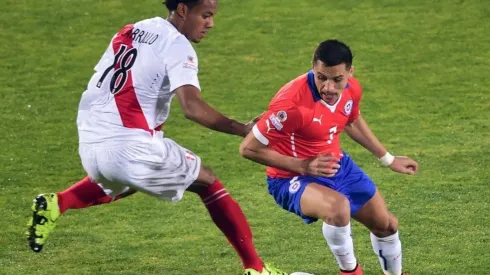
x=172, y=4
x=333, y=52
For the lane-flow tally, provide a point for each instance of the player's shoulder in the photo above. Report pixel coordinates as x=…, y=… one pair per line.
x=168, y=35
x=354, y=84
x=290, y=94
x=159, y=25
x=354, y=87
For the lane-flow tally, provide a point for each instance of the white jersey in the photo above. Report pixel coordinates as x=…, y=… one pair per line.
x=129, y=95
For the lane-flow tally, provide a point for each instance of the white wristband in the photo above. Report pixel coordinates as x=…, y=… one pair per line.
x=387, y=159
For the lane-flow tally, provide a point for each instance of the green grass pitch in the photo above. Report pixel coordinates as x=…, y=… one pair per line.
x=424, y=69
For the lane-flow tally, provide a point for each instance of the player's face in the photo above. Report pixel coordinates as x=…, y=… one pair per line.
x=199, y=20
x=331, y=81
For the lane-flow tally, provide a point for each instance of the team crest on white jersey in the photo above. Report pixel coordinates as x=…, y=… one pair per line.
x=348, y=107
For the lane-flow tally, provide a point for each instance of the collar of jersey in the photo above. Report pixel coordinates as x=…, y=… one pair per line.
x=312, y=86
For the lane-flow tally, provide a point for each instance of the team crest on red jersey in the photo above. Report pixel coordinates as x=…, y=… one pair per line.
x=348, y=107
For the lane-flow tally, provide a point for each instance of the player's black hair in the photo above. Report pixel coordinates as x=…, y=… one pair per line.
x=172, y=4
x=332, y=53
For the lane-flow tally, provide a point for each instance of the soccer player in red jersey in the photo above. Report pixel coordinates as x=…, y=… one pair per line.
x=308, y=174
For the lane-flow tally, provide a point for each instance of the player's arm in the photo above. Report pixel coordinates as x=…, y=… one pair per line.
x=358, y=129
x=199, y=111
x=251, y=148
x=182, y=70
x=269, y=130
x=360, y=132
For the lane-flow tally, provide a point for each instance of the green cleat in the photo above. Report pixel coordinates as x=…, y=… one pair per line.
x=268, y=270
x=45, y=213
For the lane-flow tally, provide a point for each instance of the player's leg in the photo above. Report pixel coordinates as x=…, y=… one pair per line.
x=228, y=216
x=384, y=233
x=165, y=170
x=86, y=193
x=47, y=208
x=313, y=199
x=368, y=207
x=333, y=208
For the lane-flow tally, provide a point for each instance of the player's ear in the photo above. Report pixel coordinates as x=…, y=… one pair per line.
x=351, y=71
x=182, y=10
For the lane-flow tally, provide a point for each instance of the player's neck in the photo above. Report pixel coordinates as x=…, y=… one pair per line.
x=172, y=19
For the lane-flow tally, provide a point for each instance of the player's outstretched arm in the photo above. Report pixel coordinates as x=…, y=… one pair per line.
x=360, y=132
x=323, y=165
x=199, y=111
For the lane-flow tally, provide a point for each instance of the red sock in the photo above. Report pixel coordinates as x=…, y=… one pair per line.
x=82, y=194
x=228, y=216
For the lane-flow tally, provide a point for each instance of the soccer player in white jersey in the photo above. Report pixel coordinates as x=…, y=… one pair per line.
x=120, y=118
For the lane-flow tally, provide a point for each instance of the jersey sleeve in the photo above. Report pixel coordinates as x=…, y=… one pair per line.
x=277, y=124
x=182, y=64
x=356, y=92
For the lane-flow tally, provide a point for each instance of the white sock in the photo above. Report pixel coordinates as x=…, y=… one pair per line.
x=340, y=242
x=389, y=252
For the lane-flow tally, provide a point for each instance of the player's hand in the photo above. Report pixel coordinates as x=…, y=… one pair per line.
x=321, y=166
x=251, y=123
x=404, y=165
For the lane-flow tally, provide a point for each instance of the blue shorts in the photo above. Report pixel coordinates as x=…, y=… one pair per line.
x=350, y=181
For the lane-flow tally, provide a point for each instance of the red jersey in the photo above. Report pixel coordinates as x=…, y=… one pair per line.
x=299, y=124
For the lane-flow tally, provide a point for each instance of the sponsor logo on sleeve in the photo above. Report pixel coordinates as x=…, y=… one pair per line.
x=189, y=155
x=276, y=122
x=190, y=63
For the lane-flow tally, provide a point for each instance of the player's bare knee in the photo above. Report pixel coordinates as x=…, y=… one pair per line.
x=386, y=226
x=337, y=211
x=206, y=176
x=393, y=228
